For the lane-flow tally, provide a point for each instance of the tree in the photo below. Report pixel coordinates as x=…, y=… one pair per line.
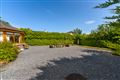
x=4, y=22
x=111, y=30
x=107, y=3
x=77, y=31
x=116, y=10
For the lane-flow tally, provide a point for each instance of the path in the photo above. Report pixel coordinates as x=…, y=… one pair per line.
x=32, y=64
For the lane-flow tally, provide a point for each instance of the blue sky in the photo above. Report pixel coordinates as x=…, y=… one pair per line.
x=54, y=15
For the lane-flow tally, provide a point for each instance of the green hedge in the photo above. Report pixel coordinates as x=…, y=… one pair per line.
x=88, y=42
x=48, y=35
x=46, y=38
x=8, y=52
x=39, y=42
x=113, y=46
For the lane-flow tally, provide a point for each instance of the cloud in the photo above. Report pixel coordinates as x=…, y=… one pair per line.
x=90, y=22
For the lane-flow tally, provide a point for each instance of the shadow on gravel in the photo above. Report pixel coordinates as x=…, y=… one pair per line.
x=97, y=66
x=96, y=51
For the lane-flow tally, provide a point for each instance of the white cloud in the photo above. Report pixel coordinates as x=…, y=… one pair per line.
x=90, y=22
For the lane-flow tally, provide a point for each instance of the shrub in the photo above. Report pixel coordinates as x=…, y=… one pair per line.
x=110, y=45
x=115, y=47
x=8, y=52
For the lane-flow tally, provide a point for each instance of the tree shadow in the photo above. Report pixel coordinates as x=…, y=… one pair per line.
x=97, y=66
x=97, y=51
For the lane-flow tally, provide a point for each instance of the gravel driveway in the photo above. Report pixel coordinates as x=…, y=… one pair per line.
x=43, y=63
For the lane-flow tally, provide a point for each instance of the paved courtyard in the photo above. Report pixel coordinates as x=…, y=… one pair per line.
x=43, y=63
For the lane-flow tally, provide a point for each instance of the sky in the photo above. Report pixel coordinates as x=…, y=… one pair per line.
x=54, y=15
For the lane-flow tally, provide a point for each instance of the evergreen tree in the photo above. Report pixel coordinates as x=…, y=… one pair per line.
x=116, y=10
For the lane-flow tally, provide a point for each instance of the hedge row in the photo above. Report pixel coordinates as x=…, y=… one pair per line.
x=47, y=38
x=88, y=42
x=39, y=42
x=48, y=35
x=102, y=43
x=115, y=47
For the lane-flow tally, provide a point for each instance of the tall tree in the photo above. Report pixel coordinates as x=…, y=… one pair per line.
x=111, y=28
x=108, y=3
x=77, y=31
x=116, y=10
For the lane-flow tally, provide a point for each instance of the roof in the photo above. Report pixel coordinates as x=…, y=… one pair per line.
x=70, y=32
x=8, y=27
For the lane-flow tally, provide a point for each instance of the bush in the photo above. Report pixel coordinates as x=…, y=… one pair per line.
x=110, y=45
x=117, y=52
x=8, y=52
x=86, y=41
x=115, y=47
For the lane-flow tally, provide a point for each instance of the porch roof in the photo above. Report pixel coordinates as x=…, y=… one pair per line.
x=9, y=28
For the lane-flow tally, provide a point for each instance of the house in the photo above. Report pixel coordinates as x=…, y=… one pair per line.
x=10, y=34
x=71, y=32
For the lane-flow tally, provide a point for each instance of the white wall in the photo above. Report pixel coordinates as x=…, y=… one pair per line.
x=1, y=38
x=8, y=37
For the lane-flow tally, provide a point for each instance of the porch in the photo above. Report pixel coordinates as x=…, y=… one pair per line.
x=11, y=34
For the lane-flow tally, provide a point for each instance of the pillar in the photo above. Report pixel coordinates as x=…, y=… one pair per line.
x=4, y=35
x=21, y=38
